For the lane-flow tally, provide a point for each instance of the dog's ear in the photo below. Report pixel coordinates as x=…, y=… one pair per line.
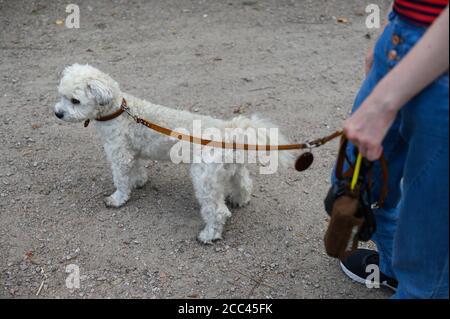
x=102, y=93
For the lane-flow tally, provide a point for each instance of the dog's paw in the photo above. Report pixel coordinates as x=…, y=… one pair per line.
x=141, y=183
x=208, y=236
x=110, y=201
x=237, y=203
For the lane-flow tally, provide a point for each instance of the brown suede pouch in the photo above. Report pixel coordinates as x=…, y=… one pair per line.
x=341, y=235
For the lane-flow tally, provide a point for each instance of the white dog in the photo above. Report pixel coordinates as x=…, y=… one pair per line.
x=89, y=94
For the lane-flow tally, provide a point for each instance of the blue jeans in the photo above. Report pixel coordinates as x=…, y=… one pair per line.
x=412, y=227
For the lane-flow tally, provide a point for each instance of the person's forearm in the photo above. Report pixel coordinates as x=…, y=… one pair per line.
x=425, y=63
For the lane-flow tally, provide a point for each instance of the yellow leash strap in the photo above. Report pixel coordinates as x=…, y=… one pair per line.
x=356, y=172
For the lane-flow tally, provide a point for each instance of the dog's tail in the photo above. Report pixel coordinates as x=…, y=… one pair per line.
x=267, y=133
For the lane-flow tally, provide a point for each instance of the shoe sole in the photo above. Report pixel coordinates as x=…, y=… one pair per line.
x=361, y=280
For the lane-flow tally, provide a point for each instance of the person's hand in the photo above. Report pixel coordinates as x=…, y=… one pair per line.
x=369, y=60
x=368, y=126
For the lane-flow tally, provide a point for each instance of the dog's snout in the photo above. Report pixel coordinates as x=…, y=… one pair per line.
x=59, y=115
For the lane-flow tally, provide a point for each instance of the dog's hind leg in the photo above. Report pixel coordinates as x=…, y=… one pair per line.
x=209, y=181
x=240, y=187
x=139, y=173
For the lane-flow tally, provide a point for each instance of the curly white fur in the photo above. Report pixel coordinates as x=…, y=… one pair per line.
x=128, y=145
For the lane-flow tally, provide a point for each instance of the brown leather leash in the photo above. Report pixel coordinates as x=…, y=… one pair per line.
x=196, y=140
x=303, y=162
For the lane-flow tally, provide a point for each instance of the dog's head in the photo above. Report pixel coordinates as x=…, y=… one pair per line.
x=86, y=93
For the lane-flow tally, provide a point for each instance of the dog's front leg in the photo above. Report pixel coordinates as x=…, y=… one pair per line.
x=122, y=165
x=139, y=173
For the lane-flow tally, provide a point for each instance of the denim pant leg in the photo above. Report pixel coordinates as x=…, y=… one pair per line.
x=395, y=152
x=421, y=246
x=395, y=149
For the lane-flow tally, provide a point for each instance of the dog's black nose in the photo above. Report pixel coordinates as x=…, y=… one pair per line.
x=59, y=115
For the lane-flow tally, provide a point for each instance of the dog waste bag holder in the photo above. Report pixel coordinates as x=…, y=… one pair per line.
x=304, y=161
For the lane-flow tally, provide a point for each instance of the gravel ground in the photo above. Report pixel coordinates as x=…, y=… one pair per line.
x=291, y=61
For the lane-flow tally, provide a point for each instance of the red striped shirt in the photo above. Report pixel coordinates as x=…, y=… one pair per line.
x=422, y=12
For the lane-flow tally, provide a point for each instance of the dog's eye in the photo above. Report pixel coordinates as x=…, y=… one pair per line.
x=75, y=101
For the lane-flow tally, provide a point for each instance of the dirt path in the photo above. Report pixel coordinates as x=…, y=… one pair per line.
x=287, y=60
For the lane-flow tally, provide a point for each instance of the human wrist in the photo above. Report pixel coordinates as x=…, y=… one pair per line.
x=385, y=100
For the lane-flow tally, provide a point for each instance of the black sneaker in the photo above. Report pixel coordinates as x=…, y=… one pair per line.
x=355, y=267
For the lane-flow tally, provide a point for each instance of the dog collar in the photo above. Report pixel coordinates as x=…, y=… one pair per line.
x=111, y=116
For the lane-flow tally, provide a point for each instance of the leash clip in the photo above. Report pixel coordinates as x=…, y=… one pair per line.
x=311, y=145
x=126, y=108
